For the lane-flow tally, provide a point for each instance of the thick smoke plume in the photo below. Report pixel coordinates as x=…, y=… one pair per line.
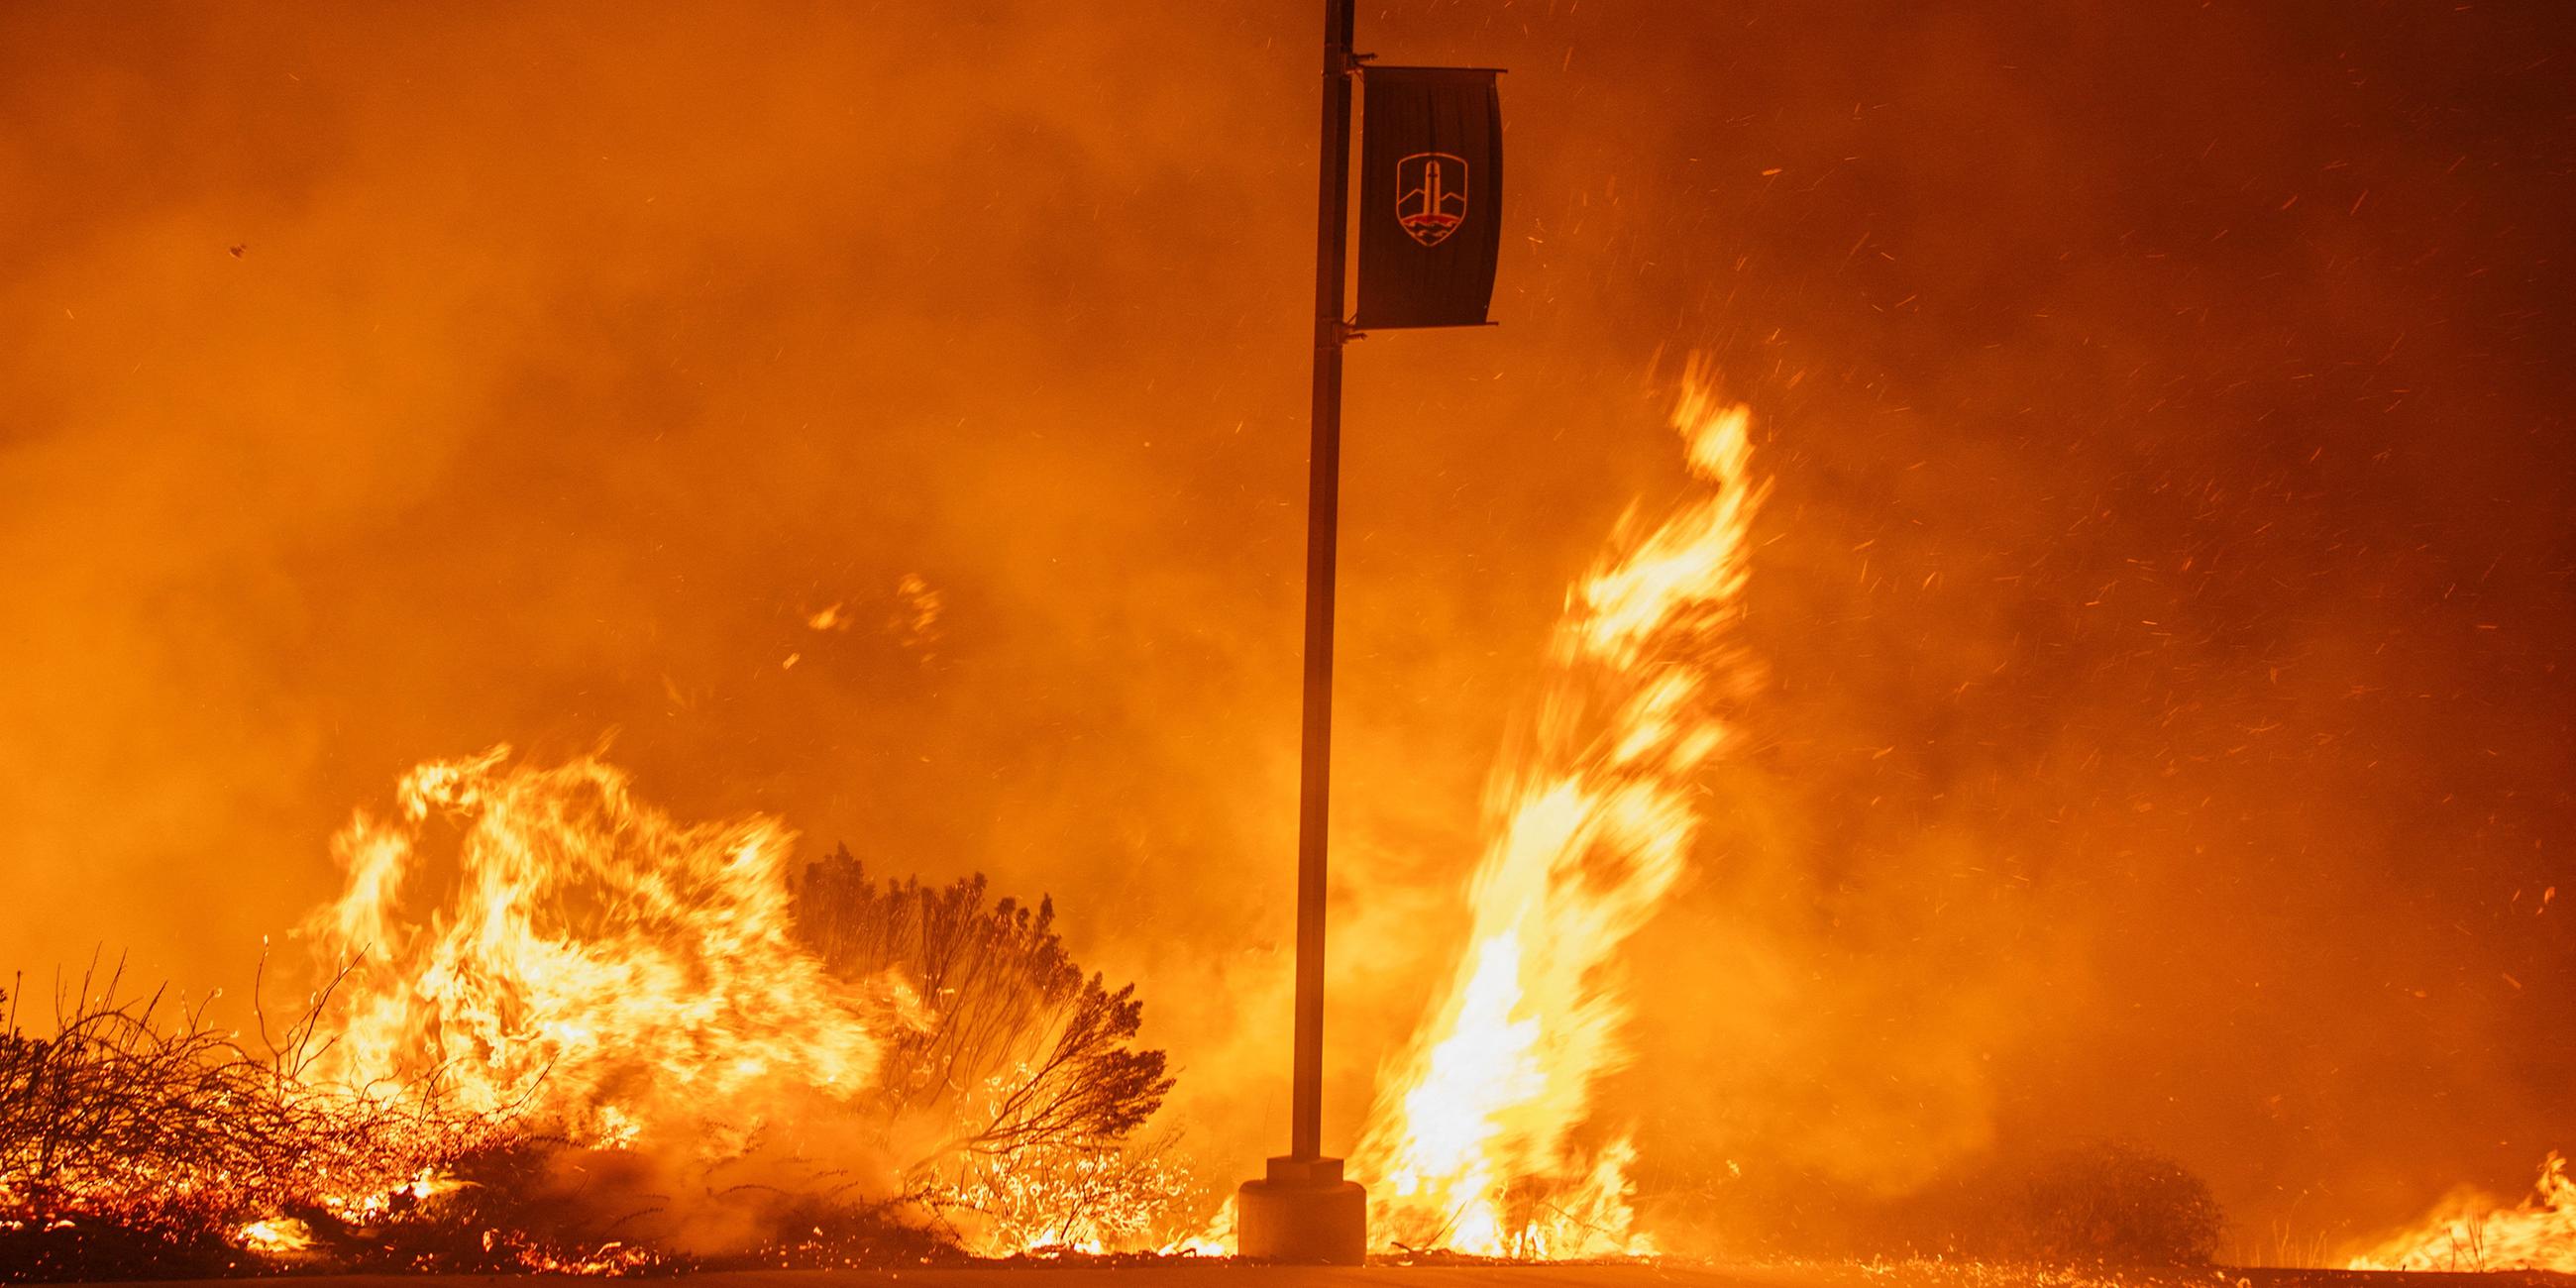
x=891, y=420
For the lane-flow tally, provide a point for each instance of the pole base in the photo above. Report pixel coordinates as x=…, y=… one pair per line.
x=1302, y=1212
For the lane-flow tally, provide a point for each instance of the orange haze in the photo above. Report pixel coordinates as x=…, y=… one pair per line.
x=890, y=419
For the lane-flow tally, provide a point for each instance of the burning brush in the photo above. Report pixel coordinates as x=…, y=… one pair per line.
x=2471, y=1233
x=563, y=1032
x=139, y=1136
x=1475, y=1142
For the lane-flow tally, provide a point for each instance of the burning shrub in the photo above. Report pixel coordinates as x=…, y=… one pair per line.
x=2107, y=1201
x=575, y=1034
x=1012, y=1098
x=139, y=1137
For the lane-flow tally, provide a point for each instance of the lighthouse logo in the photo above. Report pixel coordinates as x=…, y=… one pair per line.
x=1434, y=200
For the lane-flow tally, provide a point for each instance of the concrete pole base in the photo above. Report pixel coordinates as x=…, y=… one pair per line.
x=1303, y=1211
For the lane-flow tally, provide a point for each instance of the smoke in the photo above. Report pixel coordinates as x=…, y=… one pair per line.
x=2167, y=586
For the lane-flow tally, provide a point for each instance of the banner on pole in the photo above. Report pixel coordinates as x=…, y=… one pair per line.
x=1431, y=196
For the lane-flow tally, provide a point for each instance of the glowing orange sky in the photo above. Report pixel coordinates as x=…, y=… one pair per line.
x=2167, y=591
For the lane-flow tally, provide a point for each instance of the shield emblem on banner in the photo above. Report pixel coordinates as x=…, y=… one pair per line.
x=1433, y=200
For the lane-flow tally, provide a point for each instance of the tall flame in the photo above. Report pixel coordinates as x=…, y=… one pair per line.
x=581, y=957
x=1476, y=1141
x=2538, y=1235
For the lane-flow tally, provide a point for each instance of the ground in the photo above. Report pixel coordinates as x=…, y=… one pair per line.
x=1220, y=1274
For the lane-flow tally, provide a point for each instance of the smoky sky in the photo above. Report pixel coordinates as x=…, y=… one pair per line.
x=2166, y=595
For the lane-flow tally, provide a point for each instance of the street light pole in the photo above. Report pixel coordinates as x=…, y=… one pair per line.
x=1323, y=527
x=1303, y=1209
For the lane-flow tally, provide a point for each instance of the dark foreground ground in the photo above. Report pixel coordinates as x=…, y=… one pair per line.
x=1222, y=1274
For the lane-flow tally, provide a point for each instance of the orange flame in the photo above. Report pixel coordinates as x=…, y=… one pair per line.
x=1475, y=1140
x=276, y=1235
x=2538, y=1235
x=591, y=961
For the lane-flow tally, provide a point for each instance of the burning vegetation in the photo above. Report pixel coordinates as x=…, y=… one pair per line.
x=563, y=1032
x=559, y=1030
x=2471, y=1232
x=2118, y=687
x=1484, y=1136
x=137, y=1137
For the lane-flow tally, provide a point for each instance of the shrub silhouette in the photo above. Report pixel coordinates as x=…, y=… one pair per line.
x=2113, y=1202
x=1013, y=1094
